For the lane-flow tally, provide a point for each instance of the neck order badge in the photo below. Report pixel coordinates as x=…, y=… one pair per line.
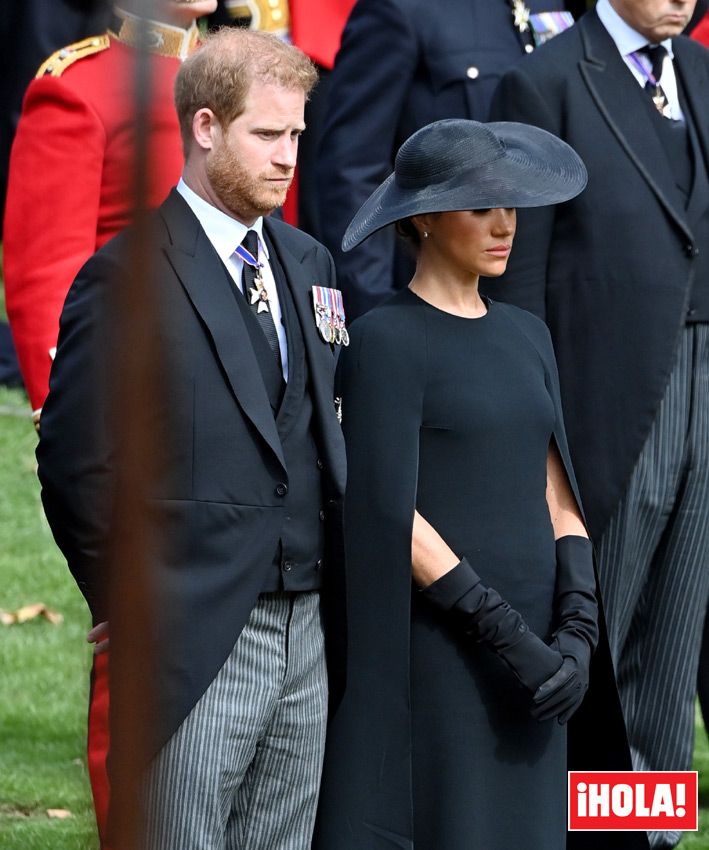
x=258, y=292
x=656, y=54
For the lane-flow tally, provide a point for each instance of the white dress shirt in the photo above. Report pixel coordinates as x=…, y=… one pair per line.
x=226, y=234
x=628, y=40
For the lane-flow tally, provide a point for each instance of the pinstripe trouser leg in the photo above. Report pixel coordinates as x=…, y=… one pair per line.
x=243, y=770
x=654, y=571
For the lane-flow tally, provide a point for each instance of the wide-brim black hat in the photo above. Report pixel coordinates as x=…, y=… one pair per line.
x=456, y=164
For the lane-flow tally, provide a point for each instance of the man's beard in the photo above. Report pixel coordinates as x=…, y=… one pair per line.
x=243, y=194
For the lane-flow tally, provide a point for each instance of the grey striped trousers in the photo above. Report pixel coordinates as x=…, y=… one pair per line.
x=243, y=770
x=654, y=571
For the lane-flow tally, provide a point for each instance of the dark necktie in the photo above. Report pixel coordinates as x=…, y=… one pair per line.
x=656, y=54
x=255, y=294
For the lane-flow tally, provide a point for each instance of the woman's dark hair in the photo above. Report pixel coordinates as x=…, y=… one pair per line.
x=407, y=230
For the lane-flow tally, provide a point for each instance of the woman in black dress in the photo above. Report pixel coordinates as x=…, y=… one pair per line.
x=451, y=732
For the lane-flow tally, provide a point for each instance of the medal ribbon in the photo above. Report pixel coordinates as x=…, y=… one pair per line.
x=339, y=305
x=649, y=76
x=248, y=257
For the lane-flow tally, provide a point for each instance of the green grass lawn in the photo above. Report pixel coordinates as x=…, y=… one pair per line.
x=44, y=669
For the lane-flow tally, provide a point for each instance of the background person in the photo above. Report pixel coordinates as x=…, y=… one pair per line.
x=621, y=275
x=400, y=66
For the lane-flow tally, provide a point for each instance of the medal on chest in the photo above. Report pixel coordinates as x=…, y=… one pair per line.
x=520, y=13
x=330, y=315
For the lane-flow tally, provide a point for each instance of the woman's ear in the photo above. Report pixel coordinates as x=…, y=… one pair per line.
x=423, y=223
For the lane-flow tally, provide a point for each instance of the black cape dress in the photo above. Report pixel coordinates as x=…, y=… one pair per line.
x=431, y=745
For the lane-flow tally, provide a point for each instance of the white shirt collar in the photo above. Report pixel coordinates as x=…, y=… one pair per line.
x=627, y=39
x=224, y=232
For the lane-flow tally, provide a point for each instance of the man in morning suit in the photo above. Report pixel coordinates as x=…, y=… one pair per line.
x=401, y=65
x=253, y=471
x=621, y=275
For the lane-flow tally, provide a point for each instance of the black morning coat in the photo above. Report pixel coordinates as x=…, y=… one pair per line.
x=366, y=792
x=611, y=270
x=218, y=501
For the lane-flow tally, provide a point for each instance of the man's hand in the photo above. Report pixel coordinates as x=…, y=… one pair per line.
x=99, y=636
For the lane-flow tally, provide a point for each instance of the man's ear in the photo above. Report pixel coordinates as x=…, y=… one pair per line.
x=204, y=128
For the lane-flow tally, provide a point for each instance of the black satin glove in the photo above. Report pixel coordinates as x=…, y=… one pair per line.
x=483, y=615
x=562, y=694
x=575, y=599
x=576, y=635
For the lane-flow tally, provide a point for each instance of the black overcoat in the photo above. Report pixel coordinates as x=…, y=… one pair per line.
x=218, y=500
x=366, y=793
x=610, y=271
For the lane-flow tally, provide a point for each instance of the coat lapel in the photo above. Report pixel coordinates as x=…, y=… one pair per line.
x=693, y=73
x=695, y=84
x=202, y=274
x=300, y=278
x=616, y=95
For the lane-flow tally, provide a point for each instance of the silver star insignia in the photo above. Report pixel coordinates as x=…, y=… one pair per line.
x=259, y=295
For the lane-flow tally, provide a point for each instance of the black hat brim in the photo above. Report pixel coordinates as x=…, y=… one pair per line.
x=537, y=169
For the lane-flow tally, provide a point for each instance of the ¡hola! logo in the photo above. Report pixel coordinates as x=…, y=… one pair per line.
x=633, y=800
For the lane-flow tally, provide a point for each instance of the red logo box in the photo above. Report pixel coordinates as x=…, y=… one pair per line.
x=633, y=800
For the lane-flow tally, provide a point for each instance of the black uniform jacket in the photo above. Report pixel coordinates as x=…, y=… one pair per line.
x=218, y=500
x=366, y=794
x=610, y=271
x=401, y=65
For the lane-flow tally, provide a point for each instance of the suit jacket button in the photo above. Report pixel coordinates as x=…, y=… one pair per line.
x=322, y=515
x=319, y=463
x=281, y=489
x=288, y=566
x=689, y=250
x=318, y=564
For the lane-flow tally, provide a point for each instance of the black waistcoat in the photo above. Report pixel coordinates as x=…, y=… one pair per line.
x=689, y=168
x=298, y=560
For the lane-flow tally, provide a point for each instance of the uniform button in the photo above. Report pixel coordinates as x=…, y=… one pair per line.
x=318, y=564
x=281, y=489
x=473, y=73
x=689, y=250
x=319, y=463
x=528, y=48
x=288, y=566
x=322, y=515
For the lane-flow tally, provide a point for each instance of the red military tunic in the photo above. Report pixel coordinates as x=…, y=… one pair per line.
x=70, y=182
